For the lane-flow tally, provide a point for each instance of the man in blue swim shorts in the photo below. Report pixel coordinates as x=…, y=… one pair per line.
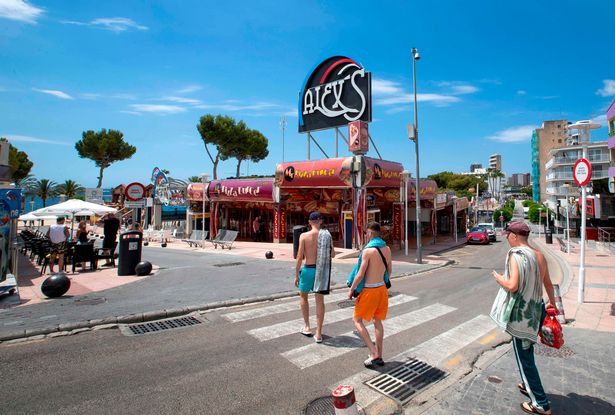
x=305, y=274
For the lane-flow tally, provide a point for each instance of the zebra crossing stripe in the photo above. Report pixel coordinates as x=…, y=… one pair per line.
x=310, y=355
x=432, y=351
x=277, y=308
x=290, y=327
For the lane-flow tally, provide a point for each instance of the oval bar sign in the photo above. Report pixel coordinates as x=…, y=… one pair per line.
x=582, y=172
x=338, y=91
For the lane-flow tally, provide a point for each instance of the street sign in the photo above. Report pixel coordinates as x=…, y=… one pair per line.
x=134, y=192
x=582, y=172
x=140, y=204
x=94, y=195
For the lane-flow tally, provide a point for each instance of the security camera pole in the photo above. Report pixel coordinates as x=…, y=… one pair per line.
x=419, y=245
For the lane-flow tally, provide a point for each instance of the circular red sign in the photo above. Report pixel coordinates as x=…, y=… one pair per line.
x=582, y=172
x=134, y=192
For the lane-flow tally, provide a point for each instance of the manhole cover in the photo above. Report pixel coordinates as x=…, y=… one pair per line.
x=323, y=406
x=229, y=264
x=91, y=301
x=494, y=379
x=403, y=382
x=563, y=352
x=160, y=325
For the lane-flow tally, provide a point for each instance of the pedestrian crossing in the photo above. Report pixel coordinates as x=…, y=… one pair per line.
x=433, y=351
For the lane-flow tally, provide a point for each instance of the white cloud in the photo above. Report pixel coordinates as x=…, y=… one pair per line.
x=258, y=106
x=14, y=138
x=436, y=99
x=291, y=113
x=131, y=112
x=600, y=119
x=521, y=92
x=158, y=109
x=19, y=10
x=514, y=134
x=608, y=88
x=114, y=24
x=53, y=92
x=458, y=88
x=189, y=89
x=385, y=87
x=182, y=100
x=389, y=92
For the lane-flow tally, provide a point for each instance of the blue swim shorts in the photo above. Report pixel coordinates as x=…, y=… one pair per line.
x=306, y=278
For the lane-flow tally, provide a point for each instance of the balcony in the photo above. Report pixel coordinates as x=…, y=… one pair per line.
x=559, y=176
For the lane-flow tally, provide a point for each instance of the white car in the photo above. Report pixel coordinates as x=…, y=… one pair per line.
x=490, y=230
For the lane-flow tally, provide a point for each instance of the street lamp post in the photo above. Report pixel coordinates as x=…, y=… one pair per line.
x=567, y=187
x=283, y=125
x=419, y=247
x=539, y=219
x=204, y=178
x=405, y=175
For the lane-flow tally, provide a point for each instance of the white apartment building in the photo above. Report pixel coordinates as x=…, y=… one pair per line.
x=559, y=169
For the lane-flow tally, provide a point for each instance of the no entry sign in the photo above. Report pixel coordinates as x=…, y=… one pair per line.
x=582, y=172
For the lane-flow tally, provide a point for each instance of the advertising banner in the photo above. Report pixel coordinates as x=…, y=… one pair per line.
x=398, y=221
x=330, y=173
x=10, y=208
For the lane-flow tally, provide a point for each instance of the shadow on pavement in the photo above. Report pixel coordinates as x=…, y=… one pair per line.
x=574, y=404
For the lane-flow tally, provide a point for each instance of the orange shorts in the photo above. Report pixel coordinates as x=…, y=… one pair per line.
x=372, y=303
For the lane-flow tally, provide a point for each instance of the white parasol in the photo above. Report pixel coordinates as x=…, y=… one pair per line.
x=75, y=207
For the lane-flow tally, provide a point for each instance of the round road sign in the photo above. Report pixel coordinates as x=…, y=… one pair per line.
x=582, y=172
x=134, y=192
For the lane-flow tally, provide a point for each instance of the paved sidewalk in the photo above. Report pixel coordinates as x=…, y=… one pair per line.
x=579, y=383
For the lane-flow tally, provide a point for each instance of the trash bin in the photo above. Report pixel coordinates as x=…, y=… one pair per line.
x=130, y=252
x=297, y=231
x=548, y=236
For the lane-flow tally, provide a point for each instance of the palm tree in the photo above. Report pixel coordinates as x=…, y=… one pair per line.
x=70, y=188
x=44, y=188
x=194, y=179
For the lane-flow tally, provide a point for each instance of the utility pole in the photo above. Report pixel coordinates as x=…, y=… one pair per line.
x=419, y=244
x=283, y=124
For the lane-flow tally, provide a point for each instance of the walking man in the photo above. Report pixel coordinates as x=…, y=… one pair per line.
x=520, y=310
x=57, y=234
x=316, y=248
x=256, y=229
x=374, y=268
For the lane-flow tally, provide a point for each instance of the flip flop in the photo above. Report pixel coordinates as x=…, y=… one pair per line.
x=522, y=389
x=306, y=333
x=529, y=408
x=370, y=362
x=317, y=340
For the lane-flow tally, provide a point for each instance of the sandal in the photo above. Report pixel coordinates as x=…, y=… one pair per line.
x=522, y=389
x=318, y=340
x=529, y=408
x=370, y=362
x=306, y=333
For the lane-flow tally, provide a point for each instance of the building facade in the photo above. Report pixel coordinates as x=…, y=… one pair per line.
x=552, y=134
x=495, y=162
x=519, y=180
x=475, y=166
x=559, y=169
x=610, y=119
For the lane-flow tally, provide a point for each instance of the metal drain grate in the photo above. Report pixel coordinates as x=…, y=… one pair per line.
x=229, y=264
x=405, y=381
x=324, y=406
x=563, y=352
x=162, y=325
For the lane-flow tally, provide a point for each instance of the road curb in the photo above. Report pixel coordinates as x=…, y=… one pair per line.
x=565, y=268
x=75, y=327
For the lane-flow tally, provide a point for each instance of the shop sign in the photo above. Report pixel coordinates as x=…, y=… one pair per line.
x=397, y=222
x=429, y=189
x=338, y=91
x=11, y=205
x=279, y=223
x=358, y=137
x=94, y=195
x=320, y=173
x=381, y=173
x=248, y=190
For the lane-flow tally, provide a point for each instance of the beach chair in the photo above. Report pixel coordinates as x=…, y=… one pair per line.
x=196, y=238
x=227, y=240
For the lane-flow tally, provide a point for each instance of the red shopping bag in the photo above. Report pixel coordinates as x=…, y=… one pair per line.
x=551, y=333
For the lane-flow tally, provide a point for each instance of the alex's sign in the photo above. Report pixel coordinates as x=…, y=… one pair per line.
x=338, y=91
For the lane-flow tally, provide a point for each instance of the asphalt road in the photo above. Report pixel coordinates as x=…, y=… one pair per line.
x=217, y=367
x=185, y=278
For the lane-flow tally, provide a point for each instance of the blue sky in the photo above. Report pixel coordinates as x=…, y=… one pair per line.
x=489, y=73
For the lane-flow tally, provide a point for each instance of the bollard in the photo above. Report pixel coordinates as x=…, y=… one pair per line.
x=344, y=401
x=561, y=317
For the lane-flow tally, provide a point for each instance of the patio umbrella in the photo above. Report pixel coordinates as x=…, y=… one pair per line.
x=32, y=216
x=75, y=207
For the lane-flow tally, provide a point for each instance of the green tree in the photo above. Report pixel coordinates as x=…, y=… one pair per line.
x=219, y=131
x=527, y=190
x=506, y=212
x=250, y=145
x=194, y=179
x=19, y=163
x=44, y=189
x=70, y=188
x=104, y=147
